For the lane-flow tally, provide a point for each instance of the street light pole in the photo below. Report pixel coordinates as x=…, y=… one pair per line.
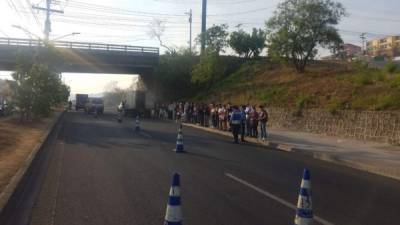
x=190, y=34
x=66, y=35
x=49, y=10
x=26, y=31
x=203, y=26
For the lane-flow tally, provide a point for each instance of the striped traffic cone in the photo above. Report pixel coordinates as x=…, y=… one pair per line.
x=179, y=140
x=137, y=124
x=304, y=213
x=173, y=214
x=119, y=117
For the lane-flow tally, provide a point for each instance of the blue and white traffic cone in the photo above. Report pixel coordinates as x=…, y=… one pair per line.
x=304, y=212
x=179, y=141
x=119, y=117
x=173, y=214
x=137, y=124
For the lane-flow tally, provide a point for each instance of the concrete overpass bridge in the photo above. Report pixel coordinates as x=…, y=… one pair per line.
x=83, y=57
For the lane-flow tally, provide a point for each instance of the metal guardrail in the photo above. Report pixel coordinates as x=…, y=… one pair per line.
x=79, y=45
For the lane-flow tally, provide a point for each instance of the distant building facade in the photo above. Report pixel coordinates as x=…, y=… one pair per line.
x=349, y=51
x=388, y=47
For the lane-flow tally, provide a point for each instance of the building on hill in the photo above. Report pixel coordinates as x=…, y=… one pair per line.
x=388, y=47
x=349, y=51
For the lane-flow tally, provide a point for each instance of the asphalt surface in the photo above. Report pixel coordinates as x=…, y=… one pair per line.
x=97, y=172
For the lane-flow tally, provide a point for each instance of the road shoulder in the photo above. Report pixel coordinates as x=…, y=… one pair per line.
x=25, y=157
x=376, y=162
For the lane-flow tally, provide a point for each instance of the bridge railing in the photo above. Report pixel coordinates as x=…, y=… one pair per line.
x=80, y=45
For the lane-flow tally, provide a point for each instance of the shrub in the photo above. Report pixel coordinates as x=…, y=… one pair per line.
x=334, y=105
x=391, y=68
x=303, y=101
x=274, y=95
x=395, y=83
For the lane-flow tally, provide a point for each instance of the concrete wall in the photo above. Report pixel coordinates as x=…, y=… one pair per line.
x=364, y=125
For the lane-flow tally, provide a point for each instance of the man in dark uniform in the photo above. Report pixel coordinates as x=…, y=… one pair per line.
x=236, y=120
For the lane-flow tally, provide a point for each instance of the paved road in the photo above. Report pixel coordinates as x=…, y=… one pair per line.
x=99, y=172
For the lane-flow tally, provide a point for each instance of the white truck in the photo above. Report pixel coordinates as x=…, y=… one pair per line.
x=138, y=102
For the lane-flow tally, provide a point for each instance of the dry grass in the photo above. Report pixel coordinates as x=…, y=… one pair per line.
x=16, y=143
x=325, y=85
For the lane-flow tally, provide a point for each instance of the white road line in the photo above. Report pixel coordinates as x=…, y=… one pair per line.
x=273, y=197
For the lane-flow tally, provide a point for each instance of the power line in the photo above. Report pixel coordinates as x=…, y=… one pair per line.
x=210, y=3
x=33, y=13
x=1, y=31
x=48, y=9
x=243, y=12
x=117, y=10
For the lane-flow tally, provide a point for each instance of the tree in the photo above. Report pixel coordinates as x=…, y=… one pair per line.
x=248, y=45
x=207, y=70
x=239, y=41
x=215, y=38
x=157, y=29
x=298, y=27
x=173, y=75
x=257, y=41
x=37, y=89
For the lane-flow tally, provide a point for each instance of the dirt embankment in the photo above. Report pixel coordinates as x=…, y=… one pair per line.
x=329, y=86
x=17, y=141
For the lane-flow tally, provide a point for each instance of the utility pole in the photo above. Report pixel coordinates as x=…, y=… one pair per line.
x=203, y=26
x=363, y=38
x=190, y=35
x=47, y=24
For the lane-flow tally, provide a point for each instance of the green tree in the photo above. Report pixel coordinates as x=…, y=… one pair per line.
x=239, y=41
x=298, y=27
x=207, y=70
x=37, y=90
x=173, y=75
x=248, y=45
x=257, y=41
x=215, y=38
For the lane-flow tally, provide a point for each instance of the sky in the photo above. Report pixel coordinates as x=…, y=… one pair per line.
x=128, y=22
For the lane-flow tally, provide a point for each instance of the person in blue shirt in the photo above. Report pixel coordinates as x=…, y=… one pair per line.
x=236, y=121
x=243, y=124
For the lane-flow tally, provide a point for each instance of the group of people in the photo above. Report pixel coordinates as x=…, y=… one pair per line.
x=246, y=120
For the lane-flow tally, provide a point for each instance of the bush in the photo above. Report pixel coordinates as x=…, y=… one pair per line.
x=303, y=101
x=395, y=83
x=334, y=105
x=391, y=68
x=274, y=95
x=379, y=102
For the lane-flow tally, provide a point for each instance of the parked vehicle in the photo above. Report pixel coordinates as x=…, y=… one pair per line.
x=5, y=109
x=94, y=105
x=138, y=102
x=80, y=101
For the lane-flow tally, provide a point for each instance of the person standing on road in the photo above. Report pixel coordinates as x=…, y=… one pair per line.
x=263, y=122
x=253, y=122
x=243, y=123
x=236, y=121
x=248, y=127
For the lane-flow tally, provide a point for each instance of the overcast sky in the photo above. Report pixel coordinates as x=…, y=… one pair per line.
x=127, y=21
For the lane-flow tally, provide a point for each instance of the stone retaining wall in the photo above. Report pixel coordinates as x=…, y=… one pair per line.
x=363, y=125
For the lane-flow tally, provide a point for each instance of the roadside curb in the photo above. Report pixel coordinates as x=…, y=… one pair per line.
x=15, y=180
x=325, y=156
x=279, y=146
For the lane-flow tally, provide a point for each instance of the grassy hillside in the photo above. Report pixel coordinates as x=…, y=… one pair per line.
x=331, y=86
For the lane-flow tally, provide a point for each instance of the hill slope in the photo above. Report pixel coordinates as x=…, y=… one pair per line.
x=331, y=86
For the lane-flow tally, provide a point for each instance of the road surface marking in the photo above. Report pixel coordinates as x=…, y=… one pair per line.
x=273, y=197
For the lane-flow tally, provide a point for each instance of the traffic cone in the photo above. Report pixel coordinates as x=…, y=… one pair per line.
x=304, y=213
x=119, y=117
x=179, y=141
x=173, y=214
x=137, y=124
